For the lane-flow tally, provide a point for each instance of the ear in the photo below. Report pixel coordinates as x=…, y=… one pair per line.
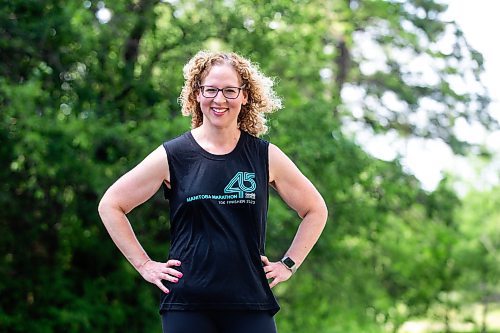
x=245, y=97
x=197, y=93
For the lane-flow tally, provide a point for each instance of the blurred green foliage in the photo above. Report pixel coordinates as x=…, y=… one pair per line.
x=83, y=99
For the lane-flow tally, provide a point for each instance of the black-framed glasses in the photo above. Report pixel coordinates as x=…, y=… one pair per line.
x=228, y=92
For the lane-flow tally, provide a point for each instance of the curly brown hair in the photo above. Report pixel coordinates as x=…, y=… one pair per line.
x=259, y=88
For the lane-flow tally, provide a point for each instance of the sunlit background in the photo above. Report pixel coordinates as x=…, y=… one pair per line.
x=88, y=88
x=429, y=160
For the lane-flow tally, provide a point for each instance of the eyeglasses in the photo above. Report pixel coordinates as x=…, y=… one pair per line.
x=228, y=92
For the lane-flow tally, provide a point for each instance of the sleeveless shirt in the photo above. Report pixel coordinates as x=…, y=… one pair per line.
x=218, y=215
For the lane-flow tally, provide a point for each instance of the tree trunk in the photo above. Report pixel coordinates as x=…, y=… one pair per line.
x=447, y=320
x=484, y=315
x=342, y=61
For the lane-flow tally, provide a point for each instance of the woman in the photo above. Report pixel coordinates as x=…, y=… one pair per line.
x=217, y=278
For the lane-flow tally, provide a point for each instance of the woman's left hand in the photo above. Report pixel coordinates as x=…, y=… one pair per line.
x=275, y=271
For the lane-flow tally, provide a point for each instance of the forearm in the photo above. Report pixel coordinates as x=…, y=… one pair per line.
x=307, y=235
x=122, y=234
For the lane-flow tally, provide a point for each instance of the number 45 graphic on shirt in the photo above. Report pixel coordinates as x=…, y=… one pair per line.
x=238, y=184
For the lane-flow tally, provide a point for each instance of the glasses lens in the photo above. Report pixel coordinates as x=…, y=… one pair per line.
x=209, y=92
x=231, y=92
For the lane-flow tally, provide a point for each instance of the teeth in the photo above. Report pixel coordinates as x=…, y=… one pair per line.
x=219, y=110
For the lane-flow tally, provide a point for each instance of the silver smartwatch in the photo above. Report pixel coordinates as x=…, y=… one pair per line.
x=289, y=263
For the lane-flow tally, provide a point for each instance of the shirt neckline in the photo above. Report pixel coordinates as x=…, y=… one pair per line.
x=218, y=157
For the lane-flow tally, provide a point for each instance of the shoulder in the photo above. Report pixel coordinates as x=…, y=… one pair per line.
x=276, y=153
x=255, y=140
x=178, y=139
x=177, y=142
x=280, y=164
x=255, y=147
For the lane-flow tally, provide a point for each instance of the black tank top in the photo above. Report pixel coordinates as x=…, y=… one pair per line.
x=218, y=214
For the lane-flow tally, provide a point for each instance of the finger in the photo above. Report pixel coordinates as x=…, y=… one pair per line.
x=270, y=275
x=173, y=272
x=169, y=278
x=267, y=269
x=265, y=260
x=274, y=283
x=173, y=262
x=161, y=286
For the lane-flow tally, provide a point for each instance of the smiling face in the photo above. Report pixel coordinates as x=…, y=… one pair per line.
x=219, y=111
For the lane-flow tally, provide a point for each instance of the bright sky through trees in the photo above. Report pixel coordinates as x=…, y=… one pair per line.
x=429, y=159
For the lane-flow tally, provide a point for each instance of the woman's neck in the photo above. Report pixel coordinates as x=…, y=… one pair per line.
x=215, y=140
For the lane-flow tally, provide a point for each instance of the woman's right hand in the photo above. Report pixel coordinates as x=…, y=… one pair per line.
x=154, y=272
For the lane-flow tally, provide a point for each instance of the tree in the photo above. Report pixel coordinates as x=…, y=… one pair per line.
x=84, y=100
x=478, y=251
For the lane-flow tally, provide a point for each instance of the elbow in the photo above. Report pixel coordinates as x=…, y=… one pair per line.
x=321, y=212
x=318, y=214
x=106, y=204
x=321, y=209
x=109, y=205
x=325, y=211
x=102, y=206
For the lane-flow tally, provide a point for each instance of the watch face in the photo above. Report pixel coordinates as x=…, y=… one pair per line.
x=288, y=262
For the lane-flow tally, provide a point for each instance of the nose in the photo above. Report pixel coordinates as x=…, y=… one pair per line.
x=220, y=98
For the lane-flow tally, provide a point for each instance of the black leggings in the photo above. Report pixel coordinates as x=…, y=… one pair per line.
x=218, y=322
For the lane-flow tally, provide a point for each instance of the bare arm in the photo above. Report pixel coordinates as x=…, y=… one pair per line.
x=128, y=192
x=301, y=195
